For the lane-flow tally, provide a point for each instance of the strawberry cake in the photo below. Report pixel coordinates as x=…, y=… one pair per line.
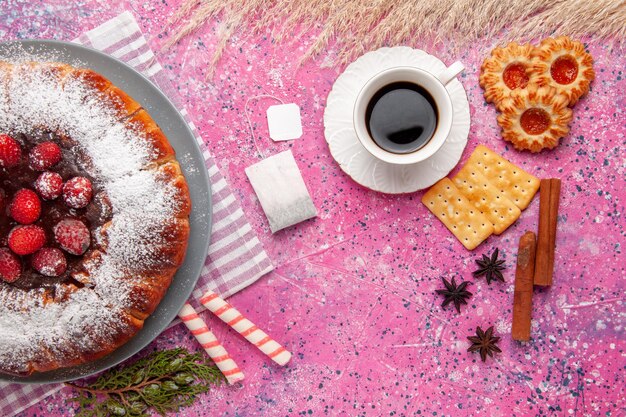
x=94, y=216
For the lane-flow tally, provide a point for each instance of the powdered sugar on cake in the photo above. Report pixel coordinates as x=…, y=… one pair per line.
x=119, y=158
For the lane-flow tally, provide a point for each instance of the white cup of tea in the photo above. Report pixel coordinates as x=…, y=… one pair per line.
x=403, y=115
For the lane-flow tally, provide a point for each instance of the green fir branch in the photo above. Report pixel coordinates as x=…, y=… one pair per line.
x=164, y=381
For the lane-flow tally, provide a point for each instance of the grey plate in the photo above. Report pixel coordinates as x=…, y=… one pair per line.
x=192, y=164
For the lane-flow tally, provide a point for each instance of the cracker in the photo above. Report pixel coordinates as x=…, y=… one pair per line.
x=455, y=211
x=512, y=181
x=486, y=197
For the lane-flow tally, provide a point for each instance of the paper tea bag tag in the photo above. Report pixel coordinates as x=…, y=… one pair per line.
x=284, y=122
x=278, y=184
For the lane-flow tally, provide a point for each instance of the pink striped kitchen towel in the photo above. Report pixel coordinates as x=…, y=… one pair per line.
x=236, y=256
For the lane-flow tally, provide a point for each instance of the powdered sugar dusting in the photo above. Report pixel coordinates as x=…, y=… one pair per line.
x=33, y=97
x=138, y=220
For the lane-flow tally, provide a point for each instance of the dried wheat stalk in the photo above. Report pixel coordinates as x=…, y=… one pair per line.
x=355, y=26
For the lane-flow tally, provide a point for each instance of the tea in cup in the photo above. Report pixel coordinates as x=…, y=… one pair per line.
x=403, y=115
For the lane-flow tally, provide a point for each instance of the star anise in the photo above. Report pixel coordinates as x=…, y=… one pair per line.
x=453, y=293
x=490, y=267
x=484, y=342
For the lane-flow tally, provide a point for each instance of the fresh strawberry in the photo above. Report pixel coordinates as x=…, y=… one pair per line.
x=25, y=207
x=10, y=266
x=49, y=185
x=49, y=262
x=44, y=156
x=10, y=151
x=24, y=240
x=73, y=236
x=77, y=192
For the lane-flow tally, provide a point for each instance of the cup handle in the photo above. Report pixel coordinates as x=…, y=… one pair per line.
x=450, y=73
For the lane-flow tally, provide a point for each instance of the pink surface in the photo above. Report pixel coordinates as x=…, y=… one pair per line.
x=352, y=295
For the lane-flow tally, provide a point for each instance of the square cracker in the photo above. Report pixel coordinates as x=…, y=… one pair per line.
x=455, y=211
x=486, y=197
x=512, y=181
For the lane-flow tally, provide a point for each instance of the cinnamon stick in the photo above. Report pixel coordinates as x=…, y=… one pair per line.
x=523, y=294
x=555, y=194
x=549, y=194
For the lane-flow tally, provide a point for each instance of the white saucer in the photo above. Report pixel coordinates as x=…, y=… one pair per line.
x=355, y=160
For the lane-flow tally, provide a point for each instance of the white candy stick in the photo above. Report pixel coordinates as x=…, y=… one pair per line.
x=245, y=327
x=211, y=345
